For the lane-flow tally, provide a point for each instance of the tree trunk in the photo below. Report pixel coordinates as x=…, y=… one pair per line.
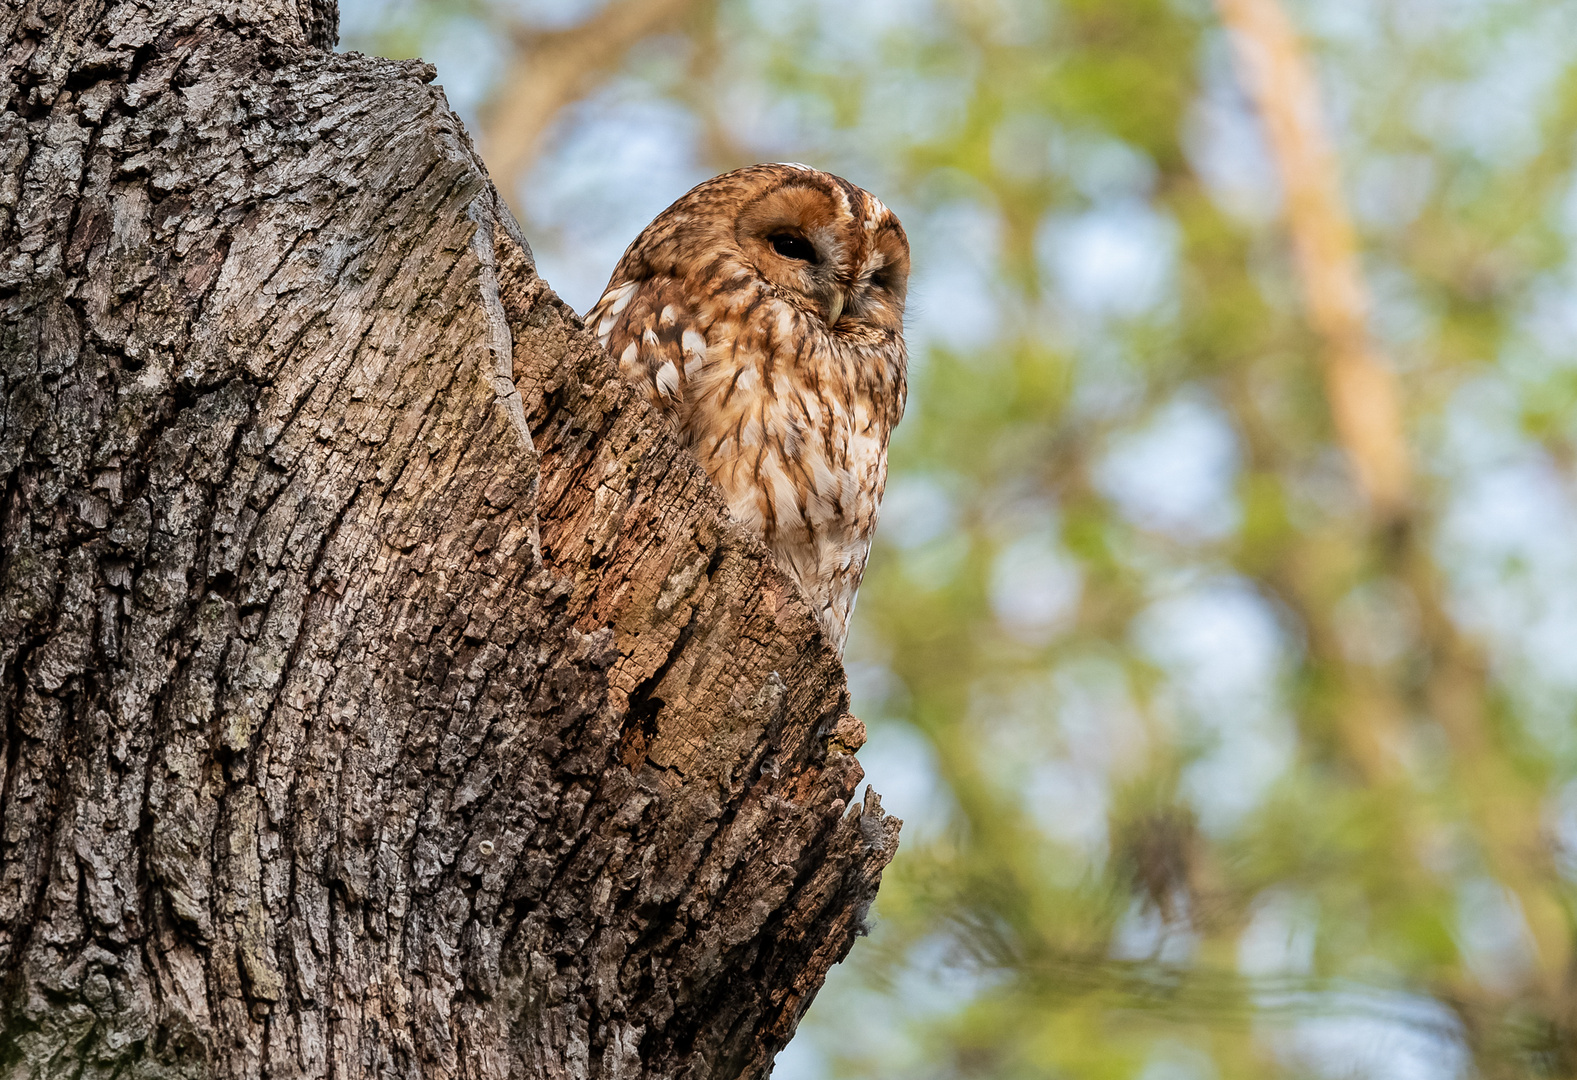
x=384, y=691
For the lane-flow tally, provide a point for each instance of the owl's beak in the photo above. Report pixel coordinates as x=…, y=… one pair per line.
x=835, y=307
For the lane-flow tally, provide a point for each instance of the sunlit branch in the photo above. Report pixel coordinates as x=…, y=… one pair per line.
x=1364, y=399
x=1365, y=405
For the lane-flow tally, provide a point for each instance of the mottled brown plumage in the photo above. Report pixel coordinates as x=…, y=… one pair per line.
x=763, y=312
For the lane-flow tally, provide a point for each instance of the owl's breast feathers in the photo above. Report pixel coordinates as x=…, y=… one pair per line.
x=789, y=417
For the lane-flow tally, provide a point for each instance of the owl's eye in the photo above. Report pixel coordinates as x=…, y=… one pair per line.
x=793, y=247
x=884, y=279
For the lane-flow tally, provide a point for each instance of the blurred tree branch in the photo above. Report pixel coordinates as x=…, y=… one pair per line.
x=1365, y=405
x=550, y=70
x=1364, y=399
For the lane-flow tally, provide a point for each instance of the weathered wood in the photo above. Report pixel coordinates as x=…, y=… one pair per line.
x=384, y=691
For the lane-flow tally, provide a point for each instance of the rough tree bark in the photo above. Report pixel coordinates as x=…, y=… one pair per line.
x=384, y=692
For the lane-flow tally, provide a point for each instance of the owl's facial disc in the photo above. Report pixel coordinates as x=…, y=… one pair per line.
x=875, y=296
x=790, y=234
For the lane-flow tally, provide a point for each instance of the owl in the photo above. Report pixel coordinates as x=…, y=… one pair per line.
x=763, y=313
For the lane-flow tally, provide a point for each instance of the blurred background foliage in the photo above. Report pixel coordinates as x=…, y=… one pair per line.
x=1214, y=762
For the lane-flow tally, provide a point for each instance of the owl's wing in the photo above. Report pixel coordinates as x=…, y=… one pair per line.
x=653, y=334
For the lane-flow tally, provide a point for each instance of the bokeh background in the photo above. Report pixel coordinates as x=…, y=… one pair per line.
x=1219, y=645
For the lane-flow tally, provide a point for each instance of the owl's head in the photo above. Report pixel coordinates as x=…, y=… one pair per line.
x=830, y=248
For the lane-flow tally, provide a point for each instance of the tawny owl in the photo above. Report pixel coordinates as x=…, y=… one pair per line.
x=763, y=312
